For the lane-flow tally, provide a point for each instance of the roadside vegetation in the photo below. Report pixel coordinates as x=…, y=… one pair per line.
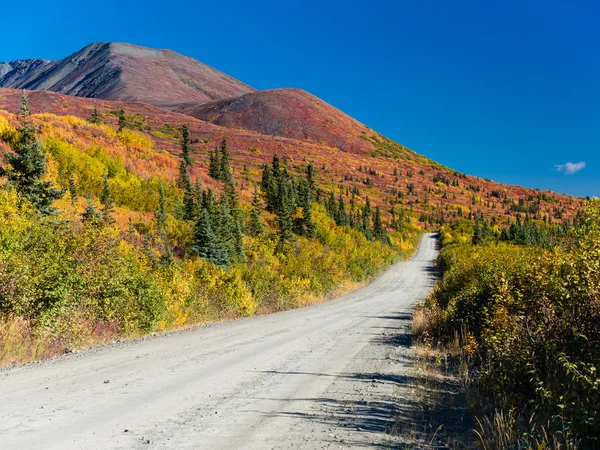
x=520, y=306
x=103, y=237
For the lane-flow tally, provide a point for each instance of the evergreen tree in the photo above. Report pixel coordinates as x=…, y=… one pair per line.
x=161, y=213
x=255, y=224
x=211, y=205
x=378, y=229
x=238, y=243
x=226, y=228
x=342, y=215
x=307, y=219
x=161, y=227
x=331, y=206
x=189, y=204
x=233, y=202
x=122, y=119
x=186, y=147
x=275, y=165
x=27, y=166
x=214, y=167
x=130, y=228
x=198, y=196
x=91, y=216
x=107, y=201
x=366, y=220
x=184, y=180
x=284, y=215
x=310, y=177
x=225, y=164
x=206, y=243
x=95, y=117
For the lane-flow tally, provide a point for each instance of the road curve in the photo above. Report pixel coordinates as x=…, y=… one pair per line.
x=315, y=377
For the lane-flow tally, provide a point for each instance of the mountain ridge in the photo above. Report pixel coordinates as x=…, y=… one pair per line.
x=126, y=72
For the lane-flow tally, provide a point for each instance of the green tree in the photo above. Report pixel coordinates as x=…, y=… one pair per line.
x=184, y=180
x=225, y=163
x=27, y=166
x=206, y=243
x=122, y=119
x=161, y=213
x=255, y=224
x=214, y=166
x=284, y=215
x=107, y=201
x=342, y=215
x=95, y=117
x=310, y=177
x=91, y=216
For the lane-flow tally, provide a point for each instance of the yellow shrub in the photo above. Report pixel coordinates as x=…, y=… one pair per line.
x=134, y=139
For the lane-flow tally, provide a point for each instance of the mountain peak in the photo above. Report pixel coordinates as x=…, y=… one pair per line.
x=121, y=71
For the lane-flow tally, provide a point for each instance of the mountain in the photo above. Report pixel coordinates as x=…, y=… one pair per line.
x=292, y=113
x=116, y=71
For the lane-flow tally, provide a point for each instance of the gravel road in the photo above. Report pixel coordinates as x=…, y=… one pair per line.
x=317, y=377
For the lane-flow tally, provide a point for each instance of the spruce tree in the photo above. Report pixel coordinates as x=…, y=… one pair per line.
x=184, y=180
x=107, y=201
x=255, y=224
x=342, y=215
x=95, y=117
x=307, y=219
x=378, y=229
x=233, y=202
x=161, y=213
x=186, y=147
x=366, y=220
x=284, y=215
x=275, y=165
x=130, y=228
x=206, y=243
x=214, y=167
x=238, y=243
x=198, y=196
x=331, y=206
x=91, y=216
x=225, y=174
x=27, y=165
x=225, y=228
x=310, y=177
x=122, y=119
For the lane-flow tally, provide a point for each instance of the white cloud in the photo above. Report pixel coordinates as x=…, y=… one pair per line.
x=570, y=168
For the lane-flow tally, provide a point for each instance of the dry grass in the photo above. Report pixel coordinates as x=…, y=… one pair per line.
x=21, y=343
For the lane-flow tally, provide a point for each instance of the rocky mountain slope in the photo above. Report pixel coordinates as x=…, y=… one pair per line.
x=116, y=71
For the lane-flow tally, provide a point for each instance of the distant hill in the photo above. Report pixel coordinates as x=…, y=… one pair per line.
x=115, y=71
x=292, y=113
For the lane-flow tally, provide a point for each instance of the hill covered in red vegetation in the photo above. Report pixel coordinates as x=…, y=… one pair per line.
x=390, y=174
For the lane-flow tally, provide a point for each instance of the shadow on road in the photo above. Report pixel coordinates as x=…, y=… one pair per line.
x=406, y=414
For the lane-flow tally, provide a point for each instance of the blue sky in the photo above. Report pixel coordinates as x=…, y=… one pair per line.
x=504, y=90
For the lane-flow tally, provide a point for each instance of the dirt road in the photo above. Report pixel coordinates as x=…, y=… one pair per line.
x=317, y=377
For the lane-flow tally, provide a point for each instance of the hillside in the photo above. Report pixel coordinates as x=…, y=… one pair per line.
x=116, y=71
x=387, y=172
x=292, y=113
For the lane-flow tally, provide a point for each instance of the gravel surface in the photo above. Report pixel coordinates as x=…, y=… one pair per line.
x=317, y=377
